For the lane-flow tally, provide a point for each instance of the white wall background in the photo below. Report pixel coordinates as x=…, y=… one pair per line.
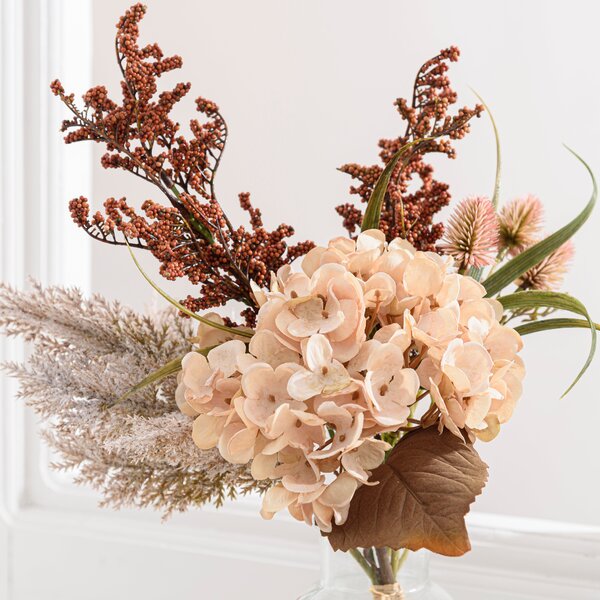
x=306, y=86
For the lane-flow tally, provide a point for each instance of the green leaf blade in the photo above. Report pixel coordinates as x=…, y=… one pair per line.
x=373, y=211
x=551, y=324
x=182, y=308
x=560, y=301
x=172, y=367
x=536, y=253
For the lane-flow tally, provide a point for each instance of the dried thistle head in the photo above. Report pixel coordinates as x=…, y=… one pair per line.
x=519, y=223
x=472, y=233
x=550, y=272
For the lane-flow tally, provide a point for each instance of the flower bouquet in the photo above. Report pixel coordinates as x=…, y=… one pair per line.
x=358, y=375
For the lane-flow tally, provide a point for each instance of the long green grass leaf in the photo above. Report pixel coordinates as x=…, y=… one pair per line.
x=496, y=195
x=549, y=324
x=373, y=211
x=183, y=309
x=172, y=367
x=560, y=301
x=532, y=256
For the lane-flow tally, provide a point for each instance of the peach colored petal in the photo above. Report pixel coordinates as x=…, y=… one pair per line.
x=468, y=365
x=263, y=466
x=236, y=443
x=503, y=342
x=363, y=457
x=380, y=290
x=449, y=292
x=224, y=357
x=339, y=492
x=207, y=430
x=276, y=498
x=422, y=277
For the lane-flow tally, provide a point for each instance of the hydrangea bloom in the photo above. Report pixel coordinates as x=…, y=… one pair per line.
x=344, y=350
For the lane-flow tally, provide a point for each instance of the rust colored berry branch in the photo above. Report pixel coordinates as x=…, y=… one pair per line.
x=414, y=196
x=191, y=236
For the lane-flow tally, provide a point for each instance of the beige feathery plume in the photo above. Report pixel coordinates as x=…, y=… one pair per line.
x=86, y=354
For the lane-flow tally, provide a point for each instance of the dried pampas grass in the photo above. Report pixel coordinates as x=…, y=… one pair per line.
x=86, y=354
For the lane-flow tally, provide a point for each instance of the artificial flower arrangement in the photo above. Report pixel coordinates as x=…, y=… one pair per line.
x=359, y=375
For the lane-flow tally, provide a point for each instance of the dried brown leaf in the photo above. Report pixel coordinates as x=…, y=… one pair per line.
x=425, y=490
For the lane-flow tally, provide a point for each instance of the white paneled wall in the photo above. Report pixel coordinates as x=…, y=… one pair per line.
x=305, y=86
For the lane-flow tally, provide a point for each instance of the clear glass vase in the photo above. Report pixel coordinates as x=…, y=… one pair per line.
x=375, y=574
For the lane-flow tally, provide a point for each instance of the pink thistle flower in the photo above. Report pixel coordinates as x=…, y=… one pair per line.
x=549, y=273
x=472, y=233
x=519, y=223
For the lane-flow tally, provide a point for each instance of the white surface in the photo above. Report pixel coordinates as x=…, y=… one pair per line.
x=304, y=81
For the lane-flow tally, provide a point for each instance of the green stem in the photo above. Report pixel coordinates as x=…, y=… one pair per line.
x=199, y=227
x=385, y=566
x=499, y=258
x=365, y=566
x=398, y=560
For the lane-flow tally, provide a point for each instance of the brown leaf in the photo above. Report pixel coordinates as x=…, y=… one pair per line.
x=425, y=490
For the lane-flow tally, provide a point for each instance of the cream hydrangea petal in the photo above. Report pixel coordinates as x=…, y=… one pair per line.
x=263, y=466
x=265, y=346
x=319, y=257
x=340, y=491
x=470, y=289
x=207, y=336
x=304, y=384
x=402, y=244
x=259, y=294
x=384, y=334
x=336, y=379
x=429, y=370
x=297, y=285
x=371, y=239
x=503, y=342
x=450, y=290
x=195, y=373
x=276, y=498
x=207, y=430
x=468, y=365
x=225, y=357
x=422, y=277
x=236, y=443
x=343, y=244
x=380, y=290
x=349, y=323
x=386, y=358
x=446, y=419
x=323, y=516
x=317, y=352
x=480, y=309
x=304, y=478
x=180, y=398
x=283, y=419
x=361, y=459
x=312, y=260
x=361, y=360
x=477, y=408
